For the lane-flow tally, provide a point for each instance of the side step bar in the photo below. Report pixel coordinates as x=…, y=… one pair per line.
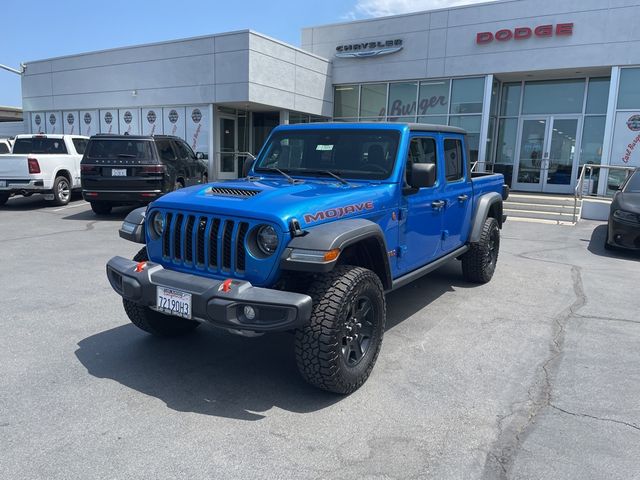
x=411, y=276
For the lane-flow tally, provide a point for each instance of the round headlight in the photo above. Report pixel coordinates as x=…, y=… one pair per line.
x=157, y=223
x=267, y=239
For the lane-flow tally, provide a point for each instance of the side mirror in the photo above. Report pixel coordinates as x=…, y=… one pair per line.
x=200, y=155
x=247, y=165
x=422, y=175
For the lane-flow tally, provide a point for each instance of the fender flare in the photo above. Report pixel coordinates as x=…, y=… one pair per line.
x=485, y=203
x=340, y=234
x=132, y=228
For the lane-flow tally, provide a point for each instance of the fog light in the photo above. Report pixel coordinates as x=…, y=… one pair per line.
x=249, y=312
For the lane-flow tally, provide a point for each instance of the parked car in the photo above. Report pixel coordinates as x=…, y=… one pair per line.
x=623, y=229
x=44, y=164
x=132, y=170
x=5, y=146
x=329, y=218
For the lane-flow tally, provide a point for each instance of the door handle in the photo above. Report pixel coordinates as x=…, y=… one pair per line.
x=438, y=204
x=463, y=198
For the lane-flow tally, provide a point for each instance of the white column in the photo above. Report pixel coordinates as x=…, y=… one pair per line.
x=607, y=143
x=484, y=126
x=284, y=117
x=213, y=156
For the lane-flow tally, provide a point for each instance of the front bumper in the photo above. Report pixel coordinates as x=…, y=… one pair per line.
x=275, y=310
x=624, y=235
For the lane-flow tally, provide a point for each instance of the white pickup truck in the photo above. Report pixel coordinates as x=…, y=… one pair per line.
x=45, y=164
x=5, y=145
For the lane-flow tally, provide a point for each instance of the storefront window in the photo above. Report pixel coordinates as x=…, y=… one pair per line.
x=471, y=123
x=467, y=95
x=598, y=95
x=345, y=101
x=506, y=147
x=592, y=138
x=553, y=96
x=373, y=99
x=434, y=119
x=402, y=100
x=629, y=93
x=295, y=117
x=510, y=106
x=434, y=97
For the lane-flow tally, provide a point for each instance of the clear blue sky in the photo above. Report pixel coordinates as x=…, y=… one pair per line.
x=42, y=29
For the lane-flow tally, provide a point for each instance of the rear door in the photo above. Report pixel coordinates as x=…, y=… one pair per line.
x=189, y=162
x=457, y=192
x=421, y=215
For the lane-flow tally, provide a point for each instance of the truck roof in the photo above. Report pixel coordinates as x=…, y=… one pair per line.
x=414, y=127
x=47, y=135
x=118, y=136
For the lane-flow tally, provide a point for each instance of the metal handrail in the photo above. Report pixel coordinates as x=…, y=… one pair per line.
x=238, y=154
x=578, y=192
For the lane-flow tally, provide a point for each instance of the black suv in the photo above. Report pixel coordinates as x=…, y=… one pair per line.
x=135, y=170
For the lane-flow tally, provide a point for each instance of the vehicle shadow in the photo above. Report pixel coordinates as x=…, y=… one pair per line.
x=34, y=202
x=596, y=246
x=117, y=215
x=212, y=372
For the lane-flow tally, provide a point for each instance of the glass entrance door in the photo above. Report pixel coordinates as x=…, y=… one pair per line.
x=228, y=135
x=548, y=154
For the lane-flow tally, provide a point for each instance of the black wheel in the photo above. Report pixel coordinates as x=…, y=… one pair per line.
x=339, y=347
x=61, y=191
x=101, y=208
x=179, y=184
x=3, y=198
x=479, y=263
x=154, y=322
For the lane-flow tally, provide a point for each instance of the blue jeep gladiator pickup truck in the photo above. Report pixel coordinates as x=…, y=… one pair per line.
x=328, y=219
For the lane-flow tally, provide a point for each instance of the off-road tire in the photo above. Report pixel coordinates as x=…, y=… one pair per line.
x=479, y=263
x=4, y=197
x=320, y=346
x=101, y=208
x=154, y=322
x=61, y=191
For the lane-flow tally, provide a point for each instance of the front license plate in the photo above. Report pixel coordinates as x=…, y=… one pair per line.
x=3, y=183
x=173, y=302
x=118, y=172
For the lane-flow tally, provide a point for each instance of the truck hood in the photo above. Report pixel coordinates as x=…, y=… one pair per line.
x=311, y=202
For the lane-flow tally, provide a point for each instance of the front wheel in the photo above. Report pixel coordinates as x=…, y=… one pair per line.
x=61, y=191
x=479, y=263
x=339, y=347
x=4, y=197
x=154, y=322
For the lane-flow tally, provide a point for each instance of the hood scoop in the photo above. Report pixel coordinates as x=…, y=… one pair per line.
x=233, y=192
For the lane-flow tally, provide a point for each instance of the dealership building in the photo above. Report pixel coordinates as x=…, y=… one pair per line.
x=541, y=86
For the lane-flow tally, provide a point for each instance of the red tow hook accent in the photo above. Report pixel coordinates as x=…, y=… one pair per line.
x=140, y=266
x=226, y=286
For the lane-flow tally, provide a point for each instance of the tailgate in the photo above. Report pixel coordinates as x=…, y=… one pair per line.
x=124, y=175
x=14, y=166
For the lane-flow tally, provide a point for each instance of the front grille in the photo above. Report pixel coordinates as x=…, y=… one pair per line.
x=234, y=192
x=206, y=243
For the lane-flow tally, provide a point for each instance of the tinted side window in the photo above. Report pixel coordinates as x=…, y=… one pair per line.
x=184, y=151
x=4, y=148
x=166, y=151
x=80, y=145
x=422, y=150
x=453, y=161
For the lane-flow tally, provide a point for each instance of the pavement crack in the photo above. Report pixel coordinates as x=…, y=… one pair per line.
x=89, y=226
x=522, y=415
x=586, y=415
x=608, y=319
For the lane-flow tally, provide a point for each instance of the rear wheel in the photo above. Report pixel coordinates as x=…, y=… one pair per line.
x=61, y=191
x=339, y=347
x=479, y=263
x=154, y=322
x=101, y=208
x=3, y=198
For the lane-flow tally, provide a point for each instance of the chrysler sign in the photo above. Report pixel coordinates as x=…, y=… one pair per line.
x=368, y=49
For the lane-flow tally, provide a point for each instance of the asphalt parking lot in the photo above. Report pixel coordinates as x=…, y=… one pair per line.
x=532, y=376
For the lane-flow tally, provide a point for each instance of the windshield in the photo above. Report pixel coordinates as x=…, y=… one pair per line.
x=41, y=145
x=633, y=185
x=119, y=148
x=364, y=154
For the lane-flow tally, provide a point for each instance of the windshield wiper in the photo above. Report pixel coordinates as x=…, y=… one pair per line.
x=327, y=172
x=276, y=169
